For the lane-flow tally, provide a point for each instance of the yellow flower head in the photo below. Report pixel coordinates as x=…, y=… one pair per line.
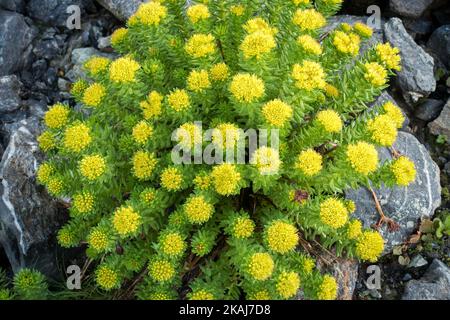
x=243, y=227
x=370, y=245
x=46, y=141
x=327, y=289
x=394, y=113
x=147, y=196
x=144, y=163
x=142, y=132
x=309, y=45
x=247, y=87
x=189, y=135
x=308, y=265
x=198, y=210
x=309, y=19
x=363, y=157
x=363, y=29
x=198, y=80
x=347, y=43
x=277, y=113
x=333, y=213
x=161, y=270
x=126, y=221
x=201, y=295
x=309, y=162
x=259, y=24
x=237, y=10
x=281, y=237
x=309, y=75
x=299, y=2
x=56, y=117
x=331, y=91
x=94, y=94
x=65, y=238
x=150, y=14
x=383, y=130
x=404, y=171
x=179, y=100
x=261, y=266
x=198, y=12
x=172, y=244
x=389, y=56
x=171, y=179
x=257, y=44
x=200, y=45
x=226, y=135
x=267, y=160
x=92, y=167
x=226, y=179
x=152, y=107
x=354, y=229
x=118, y=36
x=259, y=295
x=77, y=137
x=376, y=74
x=44, y=173
x=219, y=72
x=83, y=202
x=288, y=284
x=98, y=240
x=55, y=186
x=96, y=65
x=107, y=278
x=123, y=70
x=330, y=120
x=202, y=181
x=79, y=87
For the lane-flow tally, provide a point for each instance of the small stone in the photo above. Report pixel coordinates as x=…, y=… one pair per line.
x=439, y=43
x=10, y=100
x=122, y=9
x=441, y=126
x=417, y=262
x=429, y=109
x=410, y=8
x=104, y=43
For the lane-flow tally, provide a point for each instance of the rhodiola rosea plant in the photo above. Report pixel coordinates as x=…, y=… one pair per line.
x=227, y=230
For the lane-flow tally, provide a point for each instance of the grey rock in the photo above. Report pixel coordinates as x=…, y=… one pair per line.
x=122, y=9
x=13, y=5
x=441, y=126
x=429, y=109
x=104, y=43
x=406, y=205
x=79, y=57
x=439, y=43
x=416, y=79
x=10, y=88
x=52, y=12
x=28, y=216
x=434, y=285
x=417, y=262
x=410, y=8
x=345, y=272
x=16, y=36
x=418, y=27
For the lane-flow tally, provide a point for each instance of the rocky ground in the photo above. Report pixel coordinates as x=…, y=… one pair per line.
x=40, y=57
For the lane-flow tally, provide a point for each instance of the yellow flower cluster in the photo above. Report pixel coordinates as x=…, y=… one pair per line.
x=259, y=295
x=126, y=221
x=333, y=213
x=331, y=91
x=308, y=265
x=65, y=238
x=150, y=14
x=161, y=270
x=363, y=29
x=243, y=227
x=370, y=245
x=201, y=295
x=44, y=173
x=257, y=44
x=202, y=181
x=83, y=202
x=267, y=160
x=394, y=113
x=225, y=179
x=46, y=141
x=198, y=80
x=144, y=163
x=142, y=132
x=179, y=100
x=363, y=157
x=78, y=87
x=226, y=135
x=237, y=10
x=309, y=45
x=147, y=196
x=56, y=117
x=299, y=2
x=107, y=278
x=327, y=289
x=118, y=36
x=330, y=120
x=277, y=113
x=171, y=179
x=259, y=24
x=347, y=43
x=219, y=72
x=55, y=186
x=247, y=87
x=96, y=65
x=198, y=210
x=98, y=240
x=288, y=284
x=152, y=107
x=309, y=19
x=389, y=56
x=376, y=74
x=172, y=244
x=77, y=137
x=92, y=167
x=200, y=45
x=383, y=130
x=94, y=95
x=404, y=171
x=123, y=70
x=309, y=75
x=281, y=237
x=309, y=162
x=198, y=12
x=261, y=266
x=354, y=229
x=189, y=135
